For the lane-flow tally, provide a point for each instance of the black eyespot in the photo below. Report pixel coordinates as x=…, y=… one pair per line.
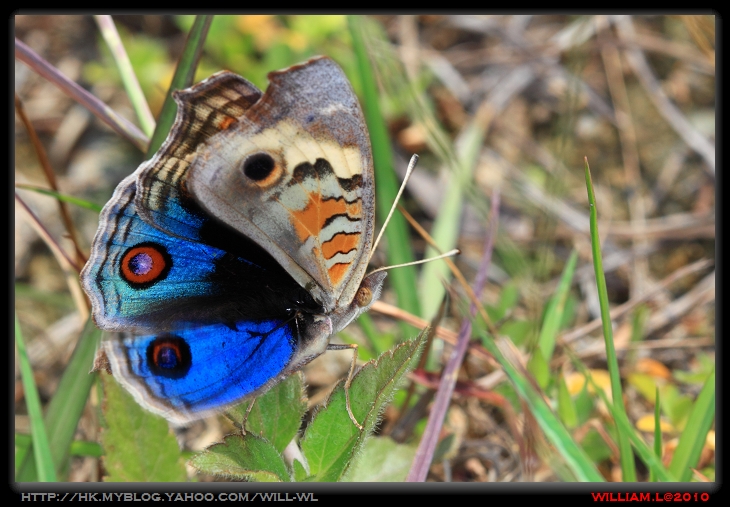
x=169, y=356
x=259, y=166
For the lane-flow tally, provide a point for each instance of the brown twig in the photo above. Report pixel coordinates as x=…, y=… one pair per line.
x=51, y=177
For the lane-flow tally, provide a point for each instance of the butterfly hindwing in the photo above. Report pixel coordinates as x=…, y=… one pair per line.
x=204, y=110
x=137, y=274
x=187, y=374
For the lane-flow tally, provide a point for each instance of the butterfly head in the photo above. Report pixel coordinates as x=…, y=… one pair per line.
x=366, y=295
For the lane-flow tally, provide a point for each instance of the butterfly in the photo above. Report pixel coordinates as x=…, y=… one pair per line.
x=228, y=260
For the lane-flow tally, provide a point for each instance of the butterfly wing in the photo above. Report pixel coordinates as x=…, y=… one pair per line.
x=294, y=174
x=206, y=325
x=140, y=278
x=205, y=109
x=226, y=271
x=194, y=372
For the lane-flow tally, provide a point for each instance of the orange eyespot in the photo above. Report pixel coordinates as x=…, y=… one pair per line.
x=145, y=264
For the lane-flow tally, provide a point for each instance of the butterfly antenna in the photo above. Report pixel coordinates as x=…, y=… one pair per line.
x=411, y=166
x=450, y=253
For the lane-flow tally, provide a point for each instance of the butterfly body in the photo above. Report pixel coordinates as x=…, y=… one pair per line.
x=229, y=259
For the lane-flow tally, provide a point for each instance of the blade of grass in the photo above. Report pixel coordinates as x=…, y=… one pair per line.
x=41, y=446
x=445, y=230
x=623, y=426
x=657, y=431
x=627, y=456
x=576, y=458
x=64, y=410
x=555, y=309
x=692, y=440
x=183, y=78
x=129, y=78
x=399, y=248
x=78, y=447
x=82, y=203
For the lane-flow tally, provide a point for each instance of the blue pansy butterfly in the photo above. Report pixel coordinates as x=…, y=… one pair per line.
x=228, y=260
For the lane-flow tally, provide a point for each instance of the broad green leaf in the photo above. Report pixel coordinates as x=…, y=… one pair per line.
x=332, y=440
x=382, y=460
x=138, y=445
x=277, y=414
x=584, y=402
x=645, y=384
x=517, y=330
x=245, y=457
x=300, y=474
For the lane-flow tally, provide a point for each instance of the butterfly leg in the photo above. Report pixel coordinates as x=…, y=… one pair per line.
x=353, y=347
x=245, y=417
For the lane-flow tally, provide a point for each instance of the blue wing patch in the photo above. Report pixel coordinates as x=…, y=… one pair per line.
x=192, y=372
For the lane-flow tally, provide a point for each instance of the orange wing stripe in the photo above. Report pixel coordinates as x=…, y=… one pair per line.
x=337, y=272
x=310, y=221
x=340, y=243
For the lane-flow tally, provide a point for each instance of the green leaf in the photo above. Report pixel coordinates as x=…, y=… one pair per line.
x=555, y=309
x=517, y=330
x=83, y=203
x=332, y=440
x=382, y=460
x=65, y=409
x=41, y=445
x=580, y=464
x=403, y=280
x=277, y=414
x=687, y=453
x=676, y=405
x=139, y=446
x=183, y=78
x=300, y=474
x=657, y=431
x=245, y=457
x=644, y=383
x=624, y=427
x=584, y=402
x=566, y=407
x=508, y=299
x=628, y=468
x=539, y=368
